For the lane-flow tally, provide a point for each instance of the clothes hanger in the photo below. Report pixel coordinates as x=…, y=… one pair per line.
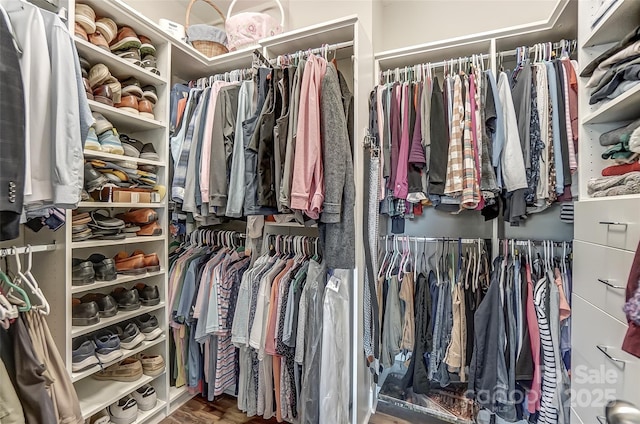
x=43, y=308
x=15, y=292
x=382, y=269
x=394, y=258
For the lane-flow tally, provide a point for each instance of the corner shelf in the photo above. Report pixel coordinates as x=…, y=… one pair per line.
x=623, y=108
x=126, y=353
x=122, y=279
x=111, y=157
x=77, y=331
x=102, y=243
x=118, y=67
x=123, y=119
x=617, y=22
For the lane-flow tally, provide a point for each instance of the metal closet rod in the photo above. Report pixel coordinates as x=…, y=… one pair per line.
x=433, y=239
x=9, y=251
x=538, y=242
x=318, y=50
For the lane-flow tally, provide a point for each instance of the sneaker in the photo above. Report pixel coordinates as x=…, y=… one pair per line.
x=126, y=38
x=99, y=40
x=92, y=143
x=152, y=365
x=107, y=28
x=145, y=108
x=102, y=124
x=130, y=336
x=127, y=370
x=80, y=32
x=146, y=47
x=149, y=152
x=101, y=417
x=150, y=93
x=83, y=355
x=150, y=63
x=146, y=397
x=129, y=103
x=148, y=325
x=86, y=17
x=131, y=86
x=124, y=411
x=110, y=142
x=93, y=180
x=107, y=347
x=132, y=147
x=130, y=55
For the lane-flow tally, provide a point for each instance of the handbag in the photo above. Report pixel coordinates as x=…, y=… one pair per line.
x=247, y=28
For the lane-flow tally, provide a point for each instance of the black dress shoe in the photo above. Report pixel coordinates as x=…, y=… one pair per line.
x=128, y=300
x=106, y=304
x=105, y=268
x=85, y=313
x=149, y=295
x=82, y=272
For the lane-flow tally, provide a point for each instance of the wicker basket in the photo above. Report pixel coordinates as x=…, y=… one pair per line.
x=206, y=45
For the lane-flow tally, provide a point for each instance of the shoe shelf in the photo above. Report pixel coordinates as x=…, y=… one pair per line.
x=123, y=119
x=77, y=331
x=129, y=240
x=144, y=416
x=623, y=108
x=95, y=395
x=126, y=353
x=122, y=279
x=111, y=157
x=99, y=205
x=617, y=22
x=118, y=67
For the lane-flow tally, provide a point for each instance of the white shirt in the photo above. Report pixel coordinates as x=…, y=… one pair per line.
x=513, y=171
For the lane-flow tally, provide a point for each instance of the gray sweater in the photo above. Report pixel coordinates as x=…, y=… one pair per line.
x=337, y=219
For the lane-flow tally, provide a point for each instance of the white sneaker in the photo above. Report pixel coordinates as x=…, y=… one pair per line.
x=146, y=397
x=101, y=417
x=124, y=411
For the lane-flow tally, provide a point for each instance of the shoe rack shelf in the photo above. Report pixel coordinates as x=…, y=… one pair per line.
x=122, y=279
x=100, y=205
x=129, y=240
x=111, y=157
x=119, y=67
x=77, y=331
x=126, y=353
x=144, y=416
x=123, y=119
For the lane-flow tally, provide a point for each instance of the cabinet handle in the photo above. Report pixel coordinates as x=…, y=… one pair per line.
x=618, y=362
x=608, y=284
x=601, y=419
x=623, y=224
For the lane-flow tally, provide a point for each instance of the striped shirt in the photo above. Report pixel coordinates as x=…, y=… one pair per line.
x=548, y=413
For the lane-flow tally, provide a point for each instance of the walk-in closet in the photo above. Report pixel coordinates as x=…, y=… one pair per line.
x=318, y=212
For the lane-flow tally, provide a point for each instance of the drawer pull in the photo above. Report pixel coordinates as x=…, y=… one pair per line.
x=618, y=362
x=601, y=419
x=622, y=224
x=608, y=284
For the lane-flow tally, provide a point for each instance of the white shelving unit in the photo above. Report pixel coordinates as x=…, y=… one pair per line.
x=121, y=280
x=122, y=118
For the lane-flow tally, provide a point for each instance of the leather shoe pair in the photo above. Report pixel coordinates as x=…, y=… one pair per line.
x=128, y=300
x=149, y=295
x=84, y=314
x=139, y=216
x=137, y=263
x=106, y=304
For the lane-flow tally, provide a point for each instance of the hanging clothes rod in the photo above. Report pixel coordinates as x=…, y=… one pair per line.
x=539, y=242
x=433, y=239
x=10, y=251
x=320, y=50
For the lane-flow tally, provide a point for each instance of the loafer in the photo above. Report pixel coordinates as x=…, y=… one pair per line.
x=150, y=93
x=86, y=18
x=110, y=142
x=145, y=108
x=130, y=55
x=145, y=396
x=93, y=180
x=153, y=229
x=79, y=218
x=103, y=94
x=116, y=88
x=84, y=314
x=146, y=48
x=130, y=336
x=83, y=355
x=104, y=268
x=148, y=325
x=124, y=411
x=105, y=222
x=129, y=103
x=127, y=370
x=126, y=164
x=149, y=295
x=150, y=63
x=131, y=87
x=82, y=235
x=128, y=300
x=131, y=265
x=152, y=365
x=126, y=38
x=80, y=32
x=102, y=124
x=107, y=306
x=132, y=147
x=98, y=40
x=107, y=28
x=107, y=346
x=139, y=216
x=82, y=272
x=151, y=261
x=149, y=152
x=92, y=142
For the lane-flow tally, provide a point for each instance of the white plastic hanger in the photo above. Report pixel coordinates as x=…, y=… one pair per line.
x=382, y=269
x=31, y=280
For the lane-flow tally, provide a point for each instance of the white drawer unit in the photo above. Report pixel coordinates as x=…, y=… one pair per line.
x=600, y=276
x=613, y=223
x=601, y=371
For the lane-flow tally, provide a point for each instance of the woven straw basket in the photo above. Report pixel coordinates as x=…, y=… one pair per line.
x=211, y=40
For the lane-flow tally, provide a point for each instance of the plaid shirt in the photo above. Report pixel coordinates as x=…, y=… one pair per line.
x=455, y=174
x=471, y=188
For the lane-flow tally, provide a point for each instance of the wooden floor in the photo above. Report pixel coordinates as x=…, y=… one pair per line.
x=225, y=411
